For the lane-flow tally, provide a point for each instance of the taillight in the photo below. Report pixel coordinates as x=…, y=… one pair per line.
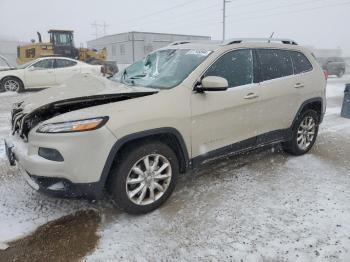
x=325, y=74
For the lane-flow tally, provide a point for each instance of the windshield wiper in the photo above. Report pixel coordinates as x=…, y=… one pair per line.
x=138, y=76
x=123, y=78
x=124, y=74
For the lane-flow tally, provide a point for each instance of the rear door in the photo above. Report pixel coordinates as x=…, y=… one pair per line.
x=65, y=69
x=279, y=95
x=40, y=74
x=304, y=76
x=222, y=118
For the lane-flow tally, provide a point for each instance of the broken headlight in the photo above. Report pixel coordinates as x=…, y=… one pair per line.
x=73, y=126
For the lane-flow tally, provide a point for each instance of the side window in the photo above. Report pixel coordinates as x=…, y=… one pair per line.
x=274, y=64
x=236, y=67
x=61, y=63
x=44, y=64
x=300, y=62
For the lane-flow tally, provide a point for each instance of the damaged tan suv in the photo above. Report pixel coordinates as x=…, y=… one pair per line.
x=177, y=108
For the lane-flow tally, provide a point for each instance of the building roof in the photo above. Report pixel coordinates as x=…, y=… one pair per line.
x=150, y=33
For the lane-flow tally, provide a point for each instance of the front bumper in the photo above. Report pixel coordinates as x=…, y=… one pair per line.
x=79, y=175
x=63, y=188
x=57, y=187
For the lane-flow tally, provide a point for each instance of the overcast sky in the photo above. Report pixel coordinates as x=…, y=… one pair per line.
x=320, y=23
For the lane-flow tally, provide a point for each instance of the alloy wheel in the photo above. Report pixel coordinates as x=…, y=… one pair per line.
x=148, y=179
x=11, y=85
x=306, y=133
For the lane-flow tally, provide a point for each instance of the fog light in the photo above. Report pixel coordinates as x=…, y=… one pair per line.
x=50, y=154
x=57, y=187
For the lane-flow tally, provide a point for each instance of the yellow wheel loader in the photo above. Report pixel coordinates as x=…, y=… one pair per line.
x=61, y=44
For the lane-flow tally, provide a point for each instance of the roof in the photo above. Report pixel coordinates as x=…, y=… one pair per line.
x=151, y=33
x=195, y=45
x=59, y=30
x=237, y=42
x=56, y=57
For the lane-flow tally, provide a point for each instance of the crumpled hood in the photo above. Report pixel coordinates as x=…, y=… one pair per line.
x=80, y=86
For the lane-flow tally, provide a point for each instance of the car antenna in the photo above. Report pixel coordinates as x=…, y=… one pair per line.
x=269, y=41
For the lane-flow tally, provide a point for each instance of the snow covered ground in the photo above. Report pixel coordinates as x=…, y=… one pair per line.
x=262, y=206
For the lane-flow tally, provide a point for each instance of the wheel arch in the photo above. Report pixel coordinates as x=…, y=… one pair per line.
x=315, y=104
x=168, y=135
x=12, y=76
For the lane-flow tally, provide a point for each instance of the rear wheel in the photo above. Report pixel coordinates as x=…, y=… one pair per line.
x=145, y=177
x=304, y=134
x=341, y=73
x=12, y=84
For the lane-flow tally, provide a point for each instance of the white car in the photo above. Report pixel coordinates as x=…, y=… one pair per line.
x=43, y=73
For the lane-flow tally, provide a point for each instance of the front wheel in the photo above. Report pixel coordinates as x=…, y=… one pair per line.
x=144, y=177
x=12, y=84
x=304, y=134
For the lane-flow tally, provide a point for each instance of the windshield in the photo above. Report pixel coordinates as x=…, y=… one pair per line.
x=162, y=69
x=25, y=65
x=4, y=63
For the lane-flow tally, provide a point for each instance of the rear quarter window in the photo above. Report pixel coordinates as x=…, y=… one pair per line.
x=300, y=62
x=274, y=63
x=61, y=63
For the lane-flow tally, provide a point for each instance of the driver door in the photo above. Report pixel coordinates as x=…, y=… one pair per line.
x=223, y=118
x=40, y=74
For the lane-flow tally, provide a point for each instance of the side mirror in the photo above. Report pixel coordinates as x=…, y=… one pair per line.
x=212, y=83
x=31, y=68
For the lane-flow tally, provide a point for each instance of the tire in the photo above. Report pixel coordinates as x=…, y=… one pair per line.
x=135, y=196
x=340, y=74
x=12, y=84
x=304, y=134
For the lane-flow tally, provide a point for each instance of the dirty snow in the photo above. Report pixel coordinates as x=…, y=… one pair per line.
x=262, y=206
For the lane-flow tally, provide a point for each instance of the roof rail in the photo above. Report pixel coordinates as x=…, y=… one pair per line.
x=203, y=41
x=179, y=43
x=268, y=40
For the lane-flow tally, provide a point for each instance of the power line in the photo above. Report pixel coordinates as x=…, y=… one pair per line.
x=248, y=4
x=198, y=22
x=292, y=12
x=97, y=25
x=163, y=10
x=176, y=17
x=283, y=6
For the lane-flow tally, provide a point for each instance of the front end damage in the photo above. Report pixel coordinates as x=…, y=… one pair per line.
x=64, y=178
x=22, y=123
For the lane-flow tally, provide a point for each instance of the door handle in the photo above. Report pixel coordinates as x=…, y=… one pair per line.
x=251, y=96
x=299, y=85
x=49, y=72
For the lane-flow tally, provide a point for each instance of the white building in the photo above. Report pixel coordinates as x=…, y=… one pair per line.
x=125, y=48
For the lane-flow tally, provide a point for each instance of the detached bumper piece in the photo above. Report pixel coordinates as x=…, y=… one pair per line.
x=63, y=188
x=10, y=155
x=345, y=111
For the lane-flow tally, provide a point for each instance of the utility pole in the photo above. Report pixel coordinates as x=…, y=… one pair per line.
x=96, y=29
x=97, y=26
x=224, y=19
